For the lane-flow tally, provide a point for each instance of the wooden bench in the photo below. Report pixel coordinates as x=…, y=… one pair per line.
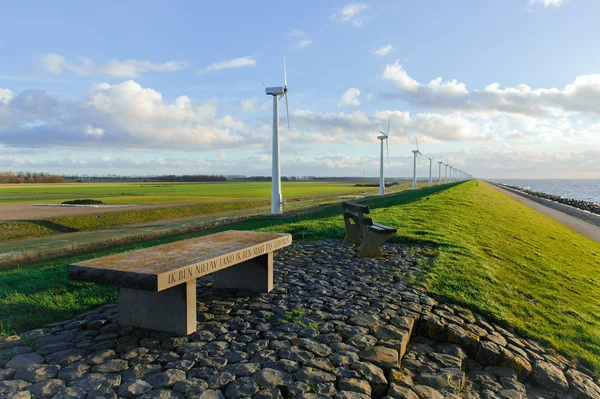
x=362, y=230
x=157, y=285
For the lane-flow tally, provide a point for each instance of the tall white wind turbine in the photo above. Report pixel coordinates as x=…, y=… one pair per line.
x=383, y=136
x=446, y=173
x=415, y=153
x=277, y=93
x=440, y=163
x=430, y=162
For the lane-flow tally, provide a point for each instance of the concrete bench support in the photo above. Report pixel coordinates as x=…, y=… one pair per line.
x=157, y=285
x=254, y=275
x=171, y=310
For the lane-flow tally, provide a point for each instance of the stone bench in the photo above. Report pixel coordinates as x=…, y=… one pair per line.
x=157, y=285
x=362, y=230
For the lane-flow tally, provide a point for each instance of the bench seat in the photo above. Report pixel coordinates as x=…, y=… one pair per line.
x=361, y=230
x=157, y=285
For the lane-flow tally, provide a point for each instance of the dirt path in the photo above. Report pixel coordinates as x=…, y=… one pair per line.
x=13, y=212
x=573, y=222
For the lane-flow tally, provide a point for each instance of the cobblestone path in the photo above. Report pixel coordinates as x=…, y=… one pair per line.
x=336, y=325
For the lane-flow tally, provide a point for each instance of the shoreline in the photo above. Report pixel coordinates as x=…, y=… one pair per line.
x=587, y=206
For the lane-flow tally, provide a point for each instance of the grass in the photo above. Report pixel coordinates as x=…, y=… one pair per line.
x=495, y=255
x=166, y=193
x=15, y=230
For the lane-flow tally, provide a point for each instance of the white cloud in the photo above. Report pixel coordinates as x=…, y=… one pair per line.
x=301, y=39
x=350, y=98
x=57, y=64
x=120, y=115
x=249, y=104
x=302, y=44
x=5, y=96
x=384, y=50
x=580, y=96
x=242, y=62
x=352, y=13
x=548, y=3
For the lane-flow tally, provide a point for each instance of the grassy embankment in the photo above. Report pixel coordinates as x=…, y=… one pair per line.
x=495, y=255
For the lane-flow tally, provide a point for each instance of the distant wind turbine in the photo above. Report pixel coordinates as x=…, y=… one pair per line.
x=430, y=162
x=383, y=136
x=440, y=163
x=277, y=93
x=415, y=153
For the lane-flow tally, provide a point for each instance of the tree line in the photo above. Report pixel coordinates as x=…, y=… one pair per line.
x=29, y=177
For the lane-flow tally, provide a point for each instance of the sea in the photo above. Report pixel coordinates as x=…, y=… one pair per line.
x=581, y=189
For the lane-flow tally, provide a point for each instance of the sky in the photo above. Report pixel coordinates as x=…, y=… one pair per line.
x=499, y=89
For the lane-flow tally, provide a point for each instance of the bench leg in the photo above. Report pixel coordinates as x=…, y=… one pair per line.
x=253, y=275
x=352, y=235
x=172, y=310
x=371, y=243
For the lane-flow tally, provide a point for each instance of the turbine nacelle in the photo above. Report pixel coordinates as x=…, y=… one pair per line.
x=382, y=137
x=276, y=91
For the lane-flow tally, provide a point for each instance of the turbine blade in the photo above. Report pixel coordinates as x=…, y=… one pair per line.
x=287, y=110
x=417, y=141
x=387, y=148
x=284, y=67
x=388, y=130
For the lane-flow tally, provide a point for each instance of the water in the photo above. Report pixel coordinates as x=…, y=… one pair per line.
x=581, y=189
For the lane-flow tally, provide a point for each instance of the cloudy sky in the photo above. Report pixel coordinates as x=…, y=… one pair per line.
x=500, y=88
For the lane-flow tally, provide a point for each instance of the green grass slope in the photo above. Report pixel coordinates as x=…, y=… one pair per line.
x=495, y=255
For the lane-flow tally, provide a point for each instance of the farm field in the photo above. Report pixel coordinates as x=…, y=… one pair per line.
x=167, y=193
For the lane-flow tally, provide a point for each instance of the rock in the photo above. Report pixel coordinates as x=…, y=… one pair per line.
x=271, y=377
x=165, y=379
x=354, y=385
x=190, y=386
x=424, y=392
x=399, y=392
x=242, y=369
x=585, y=389
x=488, y=353
x=548, y=376
x=451, y=381
x=66, y=357
x=220, y=380
x=24, y=360
x=70, y=393
x=19, y=395
x=46, y=389
x=130, y=389
x=312, y=346
x=348, y=395
x=92, y=382
x=241, y=387
x=432, y=327
x=73, y=371
x=466, y=339
x=208, y=394
x=380, y=356
x=364, y=320
x=12, y=386
x=163, y=394
x=102, y=393
x=37, y=373
x=373, y=374
x=268, y=393
x=313, y=376
x=325, y=389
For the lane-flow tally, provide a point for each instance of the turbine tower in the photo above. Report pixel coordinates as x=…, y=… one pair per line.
x=277, y=93
x=440, y=163
x=415, y=153
x=446, y=173
x=430, y=162
x=383, y=136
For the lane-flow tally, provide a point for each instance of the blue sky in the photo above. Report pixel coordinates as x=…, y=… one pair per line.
x=501, y=88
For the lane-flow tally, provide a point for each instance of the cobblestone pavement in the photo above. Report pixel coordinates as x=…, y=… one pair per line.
x=336, y=325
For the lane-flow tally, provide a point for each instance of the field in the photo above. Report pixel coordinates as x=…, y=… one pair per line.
x=167, y=193
x=494, y=255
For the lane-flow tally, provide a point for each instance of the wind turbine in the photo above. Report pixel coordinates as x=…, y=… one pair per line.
x=415, y=153
x=383, y=136
x=277, y=93
x=430, y=162
x=440, y=163
x=446, y=173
